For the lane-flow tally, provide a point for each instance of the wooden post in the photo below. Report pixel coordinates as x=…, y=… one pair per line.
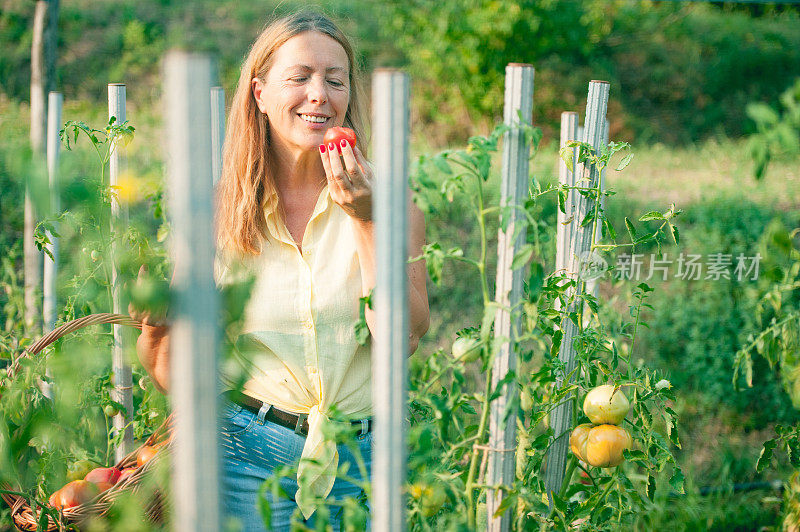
x=580, y=243
x=49, y=304
x=217, y=131
x=390, y=96
x=569, y=132
x=514, y=191
x=194, y=337
x=123, y=381
x=591, y=284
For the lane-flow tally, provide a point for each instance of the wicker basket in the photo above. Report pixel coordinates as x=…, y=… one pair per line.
x=26, y=518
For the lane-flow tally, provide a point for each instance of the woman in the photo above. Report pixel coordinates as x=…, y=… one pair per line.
x=296, y=214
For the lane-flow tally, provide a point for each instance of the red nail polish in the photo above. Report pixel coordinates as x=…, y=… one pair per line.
x=331, y=146
x=322, y=148
x=343, y=143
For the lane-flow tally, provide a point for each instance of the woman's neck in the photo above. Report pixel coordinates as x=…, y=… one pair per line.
x=297, y=170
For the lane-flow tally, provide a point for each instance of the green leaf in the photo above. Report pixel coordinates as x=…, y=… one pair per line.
x=567, y=154
x=609, y=228
x=765, y=458
x=631, y=228
x=652, y=215
x=507, y=501
x=634, y=455
x=675, y=235
x=624, y=162
x=676, y=480
x=651, y=487
x=762, y=114
x=535, y=281
x=522, y=257
x=489, y=312
x=441, y=164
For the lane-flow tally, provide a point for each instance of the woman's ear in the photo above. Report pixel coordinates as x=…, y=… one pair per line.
x=257, y=87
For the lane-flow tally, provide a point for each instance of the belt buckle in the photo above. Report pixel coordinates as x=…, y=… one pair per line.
x=298, y=429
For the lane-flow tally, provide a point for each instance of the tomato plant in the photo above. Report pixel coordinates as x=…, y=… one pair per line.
x=450, y=401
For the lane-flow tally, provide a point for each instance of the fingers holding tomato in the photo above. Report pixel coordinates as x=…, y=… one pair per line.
x=336, y=135
x=348, y=174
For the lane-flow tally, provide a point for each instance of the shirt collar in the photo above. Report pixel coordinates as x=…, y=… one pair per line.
x=278, y=230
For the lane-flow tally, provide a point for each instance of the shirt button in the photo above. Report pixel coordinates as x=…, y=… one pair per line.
x=308, y=324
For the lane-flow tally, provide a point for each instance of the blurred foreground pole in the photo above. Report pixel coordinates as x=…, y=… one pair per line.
x=514, y=191
x=217, y=131
x=193, y=337
x=579, y=247
x=390, y=117
x=49, y=303
x=123, y=392
x=43, y=68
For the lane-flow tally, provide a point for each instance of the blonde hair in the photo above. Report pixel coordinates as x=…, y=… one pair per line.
x=246, y=183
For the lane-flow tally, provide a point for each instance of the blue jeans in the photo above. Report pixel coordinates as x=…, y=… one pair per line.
x=252, y=448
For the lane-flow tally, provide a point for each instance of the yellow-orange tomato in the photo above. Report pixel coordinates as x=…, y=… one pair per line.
x=605, y=405
x=73, y=494
x=145, y=454
x=577, y=440
x=604, y=445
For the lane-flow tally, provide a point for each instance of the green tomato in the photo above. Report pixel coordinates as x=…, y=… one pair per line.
x=603, y=405
x=466, y=349
x=525, y=400
x=433, y=498
x=79, y=469
x=110, y=410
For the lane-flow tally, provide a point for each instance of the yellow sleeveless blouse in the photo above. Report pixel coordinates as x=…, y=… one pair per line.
x=299, y=324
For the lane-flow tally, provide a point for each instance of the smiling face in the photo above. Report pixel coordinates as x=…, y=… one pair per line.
x=306, y=91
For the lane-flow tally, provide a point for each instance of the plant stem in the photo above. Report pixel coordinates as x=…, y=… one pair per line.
x=484, y=420
x=473, y=465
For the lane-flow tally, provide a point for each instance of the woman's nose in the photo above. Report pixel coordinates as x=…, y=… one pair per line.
x=317, y=93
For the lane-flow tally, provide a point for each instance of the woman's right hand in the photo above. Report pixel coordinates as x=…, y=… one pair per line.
x=152, y=347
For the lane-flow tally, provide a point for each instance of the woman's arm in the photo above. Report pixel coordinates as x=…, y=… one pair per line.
x=418, y=310
x=153, y=350
x=152, y=347
x=350, y=187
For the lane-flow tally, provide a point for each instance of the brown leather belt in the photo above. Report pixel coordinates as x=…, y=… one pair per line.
x=298, y=423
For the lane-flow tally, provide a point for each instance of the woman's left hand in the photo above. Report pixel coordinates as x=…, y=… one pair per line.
x=350, y=184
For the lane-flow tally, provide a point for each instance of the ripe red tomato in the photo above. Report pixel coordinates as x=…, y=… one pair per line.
x=109, y=475
x=338, y=134
x=73, y=494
